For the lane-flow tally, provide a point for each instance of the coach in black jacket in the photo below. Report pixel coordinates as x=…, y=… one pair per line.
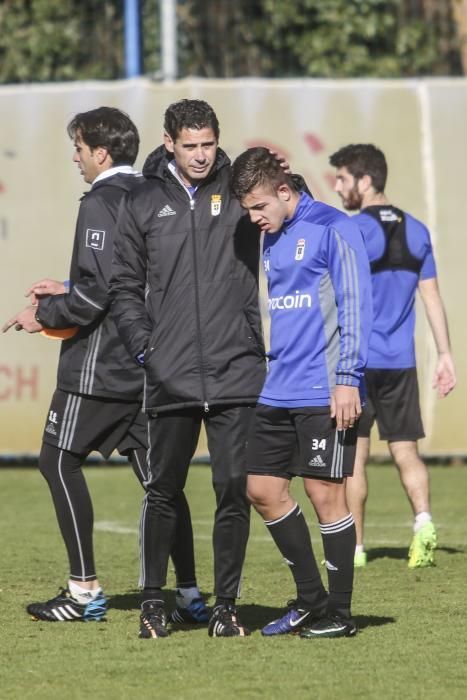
x=185, y=301
x=97, y=403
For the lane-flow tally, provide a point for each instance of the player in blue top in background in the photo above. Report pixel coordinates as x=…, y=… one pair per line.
x=319, y=290
x=402, y=261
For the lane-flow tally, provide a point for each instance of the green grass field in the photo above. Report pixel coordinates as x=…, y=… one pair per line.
x=412, y=640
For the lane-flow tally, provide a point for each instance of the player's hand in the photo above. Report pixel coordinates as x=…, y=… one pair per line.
x=24, y=320
x=444, y=378
x=45, y=287
x=345, y=406
x=282, y=160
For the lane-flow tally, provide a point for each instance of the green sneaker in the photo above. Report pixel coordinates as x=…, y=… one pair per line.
x=422, y=549
x=359, y=560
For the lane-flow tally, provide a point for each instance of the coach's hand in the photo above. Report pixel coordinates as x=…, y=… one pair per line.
x=345, y=406
x=45, y=287
x=24, y=320
x=282, y=160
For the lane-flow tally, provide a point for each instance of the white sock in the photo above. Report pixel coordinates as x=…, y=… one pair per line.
x=184, y=596
x=421, y=519
x=359, y=548
x=80, y=594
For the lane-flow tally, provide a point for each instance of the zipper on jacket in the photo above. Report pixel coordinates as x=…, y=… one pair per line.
x=198, y=319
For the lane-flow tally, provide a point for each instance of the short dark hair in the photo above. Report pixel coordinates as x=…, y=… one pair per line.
x=110, y=128
x=256, y=167
x=190, y=114
x=363, y=159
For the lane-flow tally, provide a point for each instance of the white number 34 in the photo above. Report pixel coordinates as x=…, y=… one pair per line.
x=318, y=444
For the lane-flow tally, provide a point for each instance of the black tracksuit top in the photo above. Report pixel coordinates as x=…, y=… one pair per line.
x=185, y=290
x=94, y=362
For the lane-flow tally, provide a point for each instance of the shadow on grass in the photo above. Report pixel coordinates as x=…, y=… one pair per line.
x=389, y=552
x=126, y=601
x=451, y=550
x=254, y=616
x=132, y=599
x=402, y=552
x=364, y=621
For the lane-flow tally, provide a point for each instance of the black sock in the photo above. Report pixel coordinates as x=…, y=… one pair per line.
x=339, y=550
x=292, y=537
x=152, y=595
x=186, y=584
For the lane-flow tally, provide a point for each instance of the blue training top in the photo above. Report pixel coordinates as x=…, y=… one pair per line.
x=400, y=253
x=319, y=288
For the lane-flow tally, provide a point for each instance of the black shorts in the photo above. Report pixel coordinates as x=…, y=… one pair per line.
x=393, y=401
x=304, y=442
x=82, y=424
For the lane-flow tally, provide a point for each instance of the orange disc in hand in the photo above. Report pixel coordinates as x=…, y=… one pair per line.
x=59, y=333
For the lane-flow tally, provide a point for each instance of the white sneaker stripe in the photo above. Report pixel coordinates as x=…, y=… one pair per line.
x=333, y=628
x=65, y=612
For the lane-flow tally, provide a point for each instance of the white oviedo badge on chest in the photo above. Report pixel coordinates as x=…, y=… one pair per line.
x=216, y=202
x=300, y=249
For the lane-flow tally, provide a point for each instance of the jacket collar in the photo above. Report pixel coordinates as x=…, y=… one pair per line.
x=118, y=169
x=302, y=208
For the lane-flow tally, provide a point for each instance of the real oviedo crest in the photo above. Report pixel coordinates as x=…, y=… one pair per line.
x=300, y=250
x=216, y=202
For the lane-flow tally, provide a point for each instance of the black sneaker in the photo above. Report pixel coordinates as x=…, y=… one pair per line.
x=330, y=626
x=64, y=608
x=224, y=622
x=153, y=621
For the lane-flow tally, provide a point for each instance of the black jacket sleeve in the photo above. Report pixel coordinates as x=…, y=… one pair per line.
x=88, y=298
x=128, y=281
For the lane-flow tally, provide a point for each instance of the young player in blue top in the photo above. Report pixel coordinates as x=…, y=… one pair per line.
x=305, y=421
x=402, y=261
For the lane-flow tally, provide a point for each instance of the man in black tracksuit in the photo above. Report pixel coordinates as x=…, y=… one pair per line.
x=97, y=403
x=185, y=301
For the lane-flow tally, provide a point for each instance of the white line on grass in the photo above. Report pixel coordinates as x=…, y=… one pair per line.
x=111, y=526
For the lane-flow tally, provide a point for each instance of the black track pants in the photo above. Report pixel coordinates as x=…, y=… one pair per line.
x=173, y=438
x=73, y=507
x=182, y=552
